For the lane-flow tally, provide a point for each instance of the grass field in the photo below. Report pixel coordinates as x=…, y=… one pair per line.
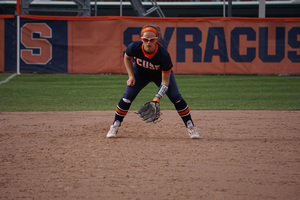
x=102, y=92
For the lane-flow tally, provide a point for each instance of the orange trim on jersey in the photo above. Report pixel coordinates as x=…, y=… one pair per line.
x=184, y=112
x=165, y=72
x=121, y=112
x=147, y=55
x=149, y=29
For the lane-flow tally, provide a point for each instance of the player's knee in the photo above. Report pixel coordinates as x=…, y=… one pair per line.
x=175, y=99
x=126, y=100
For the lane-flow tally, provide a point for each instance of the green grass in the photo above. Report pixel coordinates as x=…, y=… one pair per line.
x=43, y=92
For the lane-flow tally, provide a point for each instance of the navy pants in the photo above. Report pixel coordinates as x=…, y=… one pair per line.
x=141, y=81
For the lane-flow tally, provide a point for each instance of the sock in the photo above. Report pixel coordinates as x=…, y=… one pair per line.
x=117, y=123
x=121, y=111
x=184, y=112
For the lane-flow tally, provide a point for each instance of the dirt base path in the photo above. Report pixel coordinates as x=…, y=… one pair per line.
x=244, y=155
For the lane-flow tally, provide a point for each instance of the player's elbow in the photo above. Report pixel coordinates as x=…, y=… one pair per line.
x=126, y=57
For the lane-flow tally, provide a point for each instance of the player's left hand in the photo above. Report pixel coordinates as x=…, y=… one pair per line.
x=150, y=112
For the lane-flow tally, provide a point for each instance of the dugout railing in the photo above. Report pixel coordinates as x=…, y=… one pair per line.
x=169, y=8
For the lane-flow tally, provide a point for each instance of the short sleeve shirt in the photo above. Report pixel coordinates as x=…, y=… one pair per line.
x=161, y=61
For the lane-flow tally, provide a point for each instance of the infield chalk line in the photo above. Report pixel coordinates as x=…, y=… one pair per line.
x=6, y=80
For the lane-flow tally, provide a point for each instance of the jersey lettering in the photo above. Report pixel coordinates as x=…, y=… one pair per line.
x=146, y=64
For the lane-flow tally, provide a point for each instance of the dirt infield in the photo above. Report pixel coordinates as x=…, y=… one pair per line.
x=65, y=155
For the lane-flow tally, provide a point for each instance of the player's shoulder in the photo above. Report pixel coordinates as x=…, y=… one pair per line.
x=134, y=48
x=136, y=44
x=163, y=50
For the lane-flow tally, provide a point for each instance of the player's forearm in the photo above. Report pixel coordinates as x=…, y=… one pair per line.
x=128, y=65
x=163, y=87
x=165, y=79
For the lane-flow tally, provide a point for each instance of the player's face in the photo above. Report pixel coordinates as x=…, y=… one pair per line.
x=149, y=39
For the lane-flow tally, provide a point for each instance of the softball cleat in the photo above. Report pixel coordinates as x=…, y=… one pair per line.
x=112, y=133
x=193, y=133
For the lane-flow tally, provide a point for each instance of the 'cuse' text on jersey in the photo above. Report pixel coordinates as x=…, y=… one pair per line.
x=146, y=64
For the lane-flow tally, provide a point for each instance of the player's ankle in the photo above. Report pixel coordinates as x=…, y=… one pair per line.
x=117, y=123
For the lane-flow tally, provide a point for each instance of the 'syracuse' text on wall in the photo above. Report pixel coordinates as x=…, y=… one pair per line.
x=196, y=45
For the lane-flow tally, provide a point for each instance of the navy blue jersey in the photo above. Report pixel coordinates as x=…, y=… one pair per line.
x=156, y=63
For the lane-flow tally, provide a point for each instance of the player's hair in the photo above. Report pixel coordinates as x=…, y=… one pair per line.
x=152, y=26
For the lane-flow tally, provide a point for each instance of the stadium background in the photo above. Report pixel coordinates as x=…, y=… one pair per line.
x=197, y=45
x=171, y=8
x=242, y=154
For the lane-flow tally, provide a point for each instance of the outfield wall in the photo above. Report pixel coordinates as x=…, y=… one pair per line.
x=196, y=45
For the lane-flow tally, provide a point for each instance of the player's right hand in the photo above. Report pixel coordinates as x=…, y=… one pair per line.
x=131, y=81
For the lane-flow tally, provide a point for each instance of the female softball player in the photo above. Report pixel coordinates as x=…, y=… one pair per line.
x=152, y=64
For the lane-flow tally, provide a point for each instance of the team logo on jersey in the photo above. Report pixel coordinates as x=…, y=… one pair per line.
x=146, y=64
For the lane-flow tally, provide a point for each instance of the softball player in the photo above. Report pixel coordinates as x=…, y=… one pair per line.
x=152, y=64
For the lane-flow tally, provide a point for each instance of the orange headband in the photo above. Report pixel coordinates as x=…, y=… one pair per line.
x=149, y=29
